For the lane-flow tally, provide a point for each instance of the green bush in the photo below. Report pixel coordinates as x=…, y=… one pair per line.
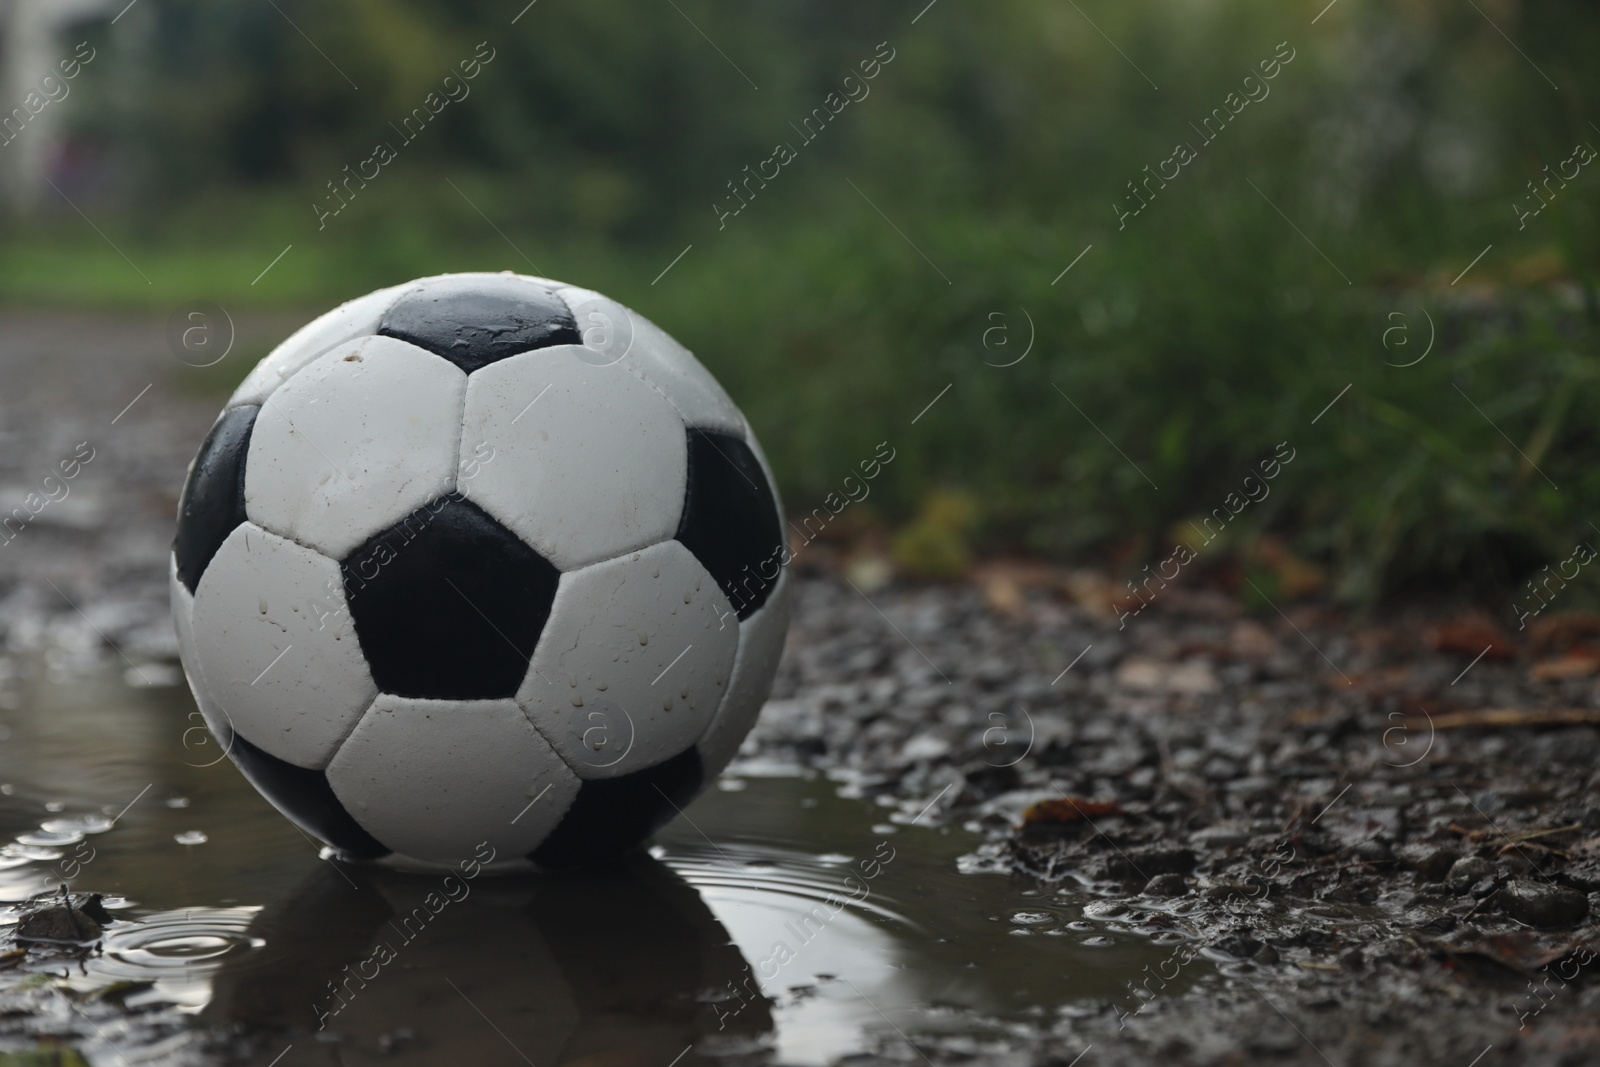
x=933, y=219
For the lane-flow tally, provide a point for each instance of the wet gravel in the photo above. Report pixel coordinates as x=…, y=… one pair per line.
x=1300, y=798
x=1294, y=794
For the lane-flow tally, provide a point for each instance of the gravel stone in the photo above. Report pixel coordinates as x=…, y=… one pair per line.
x=1542, y=904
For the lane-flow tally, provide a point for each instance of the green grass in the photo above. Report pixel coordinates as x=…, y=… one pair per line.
x=1150, y=394
x=1177, y=354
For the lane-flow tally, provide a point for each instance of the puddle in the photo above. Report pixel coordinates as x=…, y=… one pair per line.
x=776, y=920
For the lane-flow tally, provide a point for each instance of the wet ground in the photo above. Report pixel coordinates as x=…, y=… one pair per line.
x=774, y=886
x=1268, y=836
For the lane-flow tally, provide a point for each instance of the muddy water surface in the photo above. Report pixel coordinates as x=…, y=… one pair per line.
x=778, y=919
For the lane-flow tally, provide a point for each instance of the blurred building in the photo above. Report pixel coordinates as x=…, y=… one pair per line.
x=34, y=38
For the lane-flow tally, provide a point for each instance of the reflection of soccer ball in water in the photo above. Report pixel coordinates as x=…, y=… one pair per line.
x=625, y=965
x=480, y=558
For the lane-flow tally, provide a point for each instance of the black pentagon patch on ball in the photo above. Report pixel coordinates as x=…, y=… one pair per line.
x=730, y=519
x=212, y=504
x=474, y=322
x=306, y=798
x=611, y=815
x=448, y=604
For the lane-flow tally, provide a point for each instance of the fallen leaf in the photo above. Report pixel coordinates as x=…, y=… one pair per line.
x=1308, y=716
x=1003, y=595
x=1472, y=635
x=1562, y=630
x=1025, y=573
x=1251, y=640
x=51, y=1051
x=1519, y=952
x=1399, y=684
x=1293, y=576
x=1094, y=592
x=871, y=572
x=1382, y=638
x=1578, y=663
x=1496, y=717
x=1005, y=583
x=1068, y=810
x=119, y=990
x=63, y=921
x=1189, y=676
x=1491, y=833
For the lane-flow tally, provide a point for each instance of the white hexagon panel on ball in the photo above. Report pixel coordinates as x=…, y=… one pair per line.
x=432, y=779
x=588, y=462
x=633, y=662
x=354, y=442
x=274, y=642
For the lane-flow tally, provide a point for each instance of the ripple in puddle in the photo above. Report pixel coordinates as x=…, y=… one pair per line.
x=178, y=952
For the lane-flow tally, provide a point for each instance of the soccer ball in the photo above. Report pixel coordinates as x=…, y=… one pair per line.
x=480, y=558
